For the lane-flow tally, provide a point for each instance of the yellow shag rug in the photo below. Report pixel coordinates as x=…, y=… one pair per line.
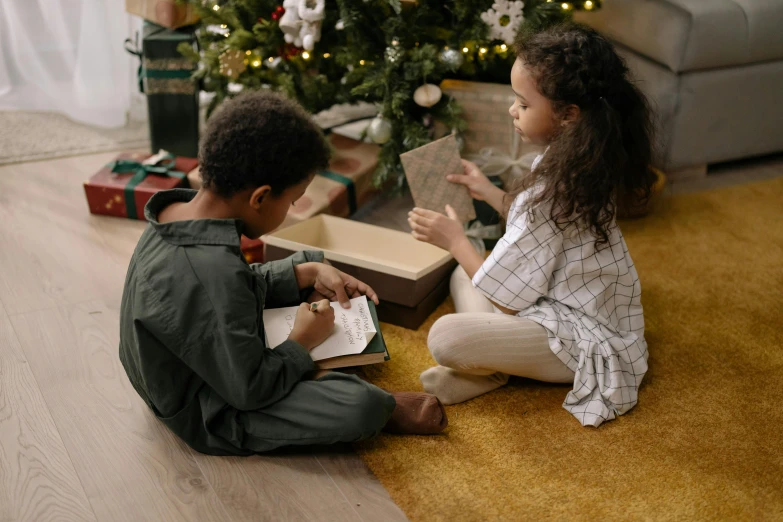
x=705, y=441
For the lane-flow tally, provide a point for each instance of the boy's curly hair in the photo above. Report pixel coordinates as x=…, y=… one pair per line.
x=607, y=151
x=260, y=138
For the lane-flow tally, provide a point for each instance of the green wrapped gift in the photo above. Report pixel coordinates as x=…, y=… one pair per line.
x=172, y=96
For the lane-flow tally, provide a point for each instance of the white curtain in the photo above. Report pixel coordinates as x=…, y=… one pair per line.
x=66, y=56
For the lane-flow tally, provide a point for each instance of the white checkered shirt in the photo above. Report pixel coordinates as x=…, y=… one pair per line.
x=587, y=299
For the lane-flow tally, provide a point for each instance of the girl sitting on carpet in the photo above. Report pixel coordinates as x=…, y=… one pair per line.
x=561, y=275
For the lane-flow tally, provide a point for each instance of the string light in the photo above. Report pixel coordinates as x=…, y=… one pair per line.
x=306, y=55
x=566, y=6
x=256, y=63
x=216, y=7
x=247, y=53
x=327, y=55
x=483, y=50
x=465, y=50
x=271, y=59
x=361, y=62
x=503, y=47
x=589, y=5
x=227, y=35
x=223, y=26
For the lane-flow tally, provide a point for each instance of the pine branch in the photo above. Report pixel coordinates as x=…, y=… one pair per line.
x=353, y=63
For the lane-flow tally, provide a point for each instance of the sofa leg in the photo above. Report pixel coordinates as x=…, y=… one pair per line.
x=688, y=173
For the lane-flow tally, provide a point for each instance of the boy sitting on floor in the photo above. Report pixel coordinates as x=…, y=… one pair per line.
x=191, y=330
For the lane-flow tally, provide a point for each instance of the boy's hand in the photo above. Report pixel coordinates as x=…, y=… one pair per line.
x=339, y=286
x=312, y=327
x=437, y=229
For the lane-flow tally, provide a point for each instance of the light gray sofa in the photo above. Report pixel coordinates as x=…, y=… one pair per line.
x=712, y=68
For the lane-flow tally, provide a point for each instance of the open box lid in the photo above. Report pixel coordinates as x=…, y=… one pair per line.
x=359, y=244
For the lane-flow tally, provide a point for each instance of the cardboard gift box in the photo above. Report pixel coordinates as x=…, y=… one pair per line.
x=168, y=13
x=410, y=277
x=490, y=140
x=340, y=190
x=123, y=187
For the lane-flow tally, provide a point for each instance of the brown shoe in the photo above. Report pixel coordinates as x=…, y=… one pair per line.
x=417, y=414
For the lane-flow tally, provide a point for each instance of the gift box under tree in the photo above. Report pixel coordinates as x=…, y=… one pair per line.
x=341, y=189
x=490, y=140
x=491, y=143
x=172, y=95
x=123, y=187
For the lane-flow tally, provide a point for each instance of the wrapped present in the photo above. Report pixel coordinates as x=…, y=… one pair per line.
x=123, y=187
x=253, y=249
x=340, y=190
x=344, y=187
x=490, y=140
x=168, y=13
x=172, y=95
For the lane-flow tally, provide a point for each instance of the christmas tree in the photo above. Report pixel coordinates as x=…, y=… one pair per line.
x=392, y=53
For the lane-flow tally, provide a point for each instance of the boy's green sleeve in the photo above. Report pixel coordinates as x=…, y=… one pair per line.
x=281, y=285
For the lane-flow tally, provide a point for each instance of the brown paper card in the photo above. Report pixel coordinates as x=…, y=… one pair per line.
x=426, y=169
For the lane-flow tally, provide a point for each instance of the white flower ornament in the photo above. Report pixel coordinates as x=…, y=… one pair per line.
x=504, y=19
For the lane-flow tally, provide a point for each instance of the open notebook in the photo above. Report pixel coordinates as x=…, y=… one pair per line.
x=355, y=341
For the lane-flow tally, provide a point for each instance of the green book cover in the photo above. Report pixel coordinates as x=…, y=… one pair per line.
x=377, y=345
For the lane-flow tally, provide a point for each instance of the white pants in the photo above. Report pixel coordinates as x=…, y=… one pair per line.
x=478, y=348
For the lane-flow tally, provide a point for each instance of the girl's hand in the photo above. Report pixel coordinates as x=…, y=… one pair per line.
x=437, y=229
x=478, y=184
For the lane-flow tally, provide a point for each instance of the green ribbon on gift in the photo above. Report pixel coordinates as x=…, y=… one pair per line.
x=164, y=167
x=157, y=74
x=348, y=182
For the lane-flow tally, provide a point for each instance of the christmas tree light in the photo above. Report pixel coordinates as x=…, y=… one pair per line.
x=379, y=51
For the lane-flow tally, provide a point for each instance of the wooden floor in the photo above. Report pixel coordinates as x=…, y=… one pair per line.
x=76, y=442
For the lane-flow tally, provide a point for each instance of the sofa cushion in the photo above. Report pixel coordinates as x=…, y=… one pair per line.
x=687, y=35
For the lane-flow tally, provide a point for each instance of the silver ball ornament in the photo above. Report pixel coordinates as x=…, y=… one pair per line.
x=380, y=130
x=452, y=58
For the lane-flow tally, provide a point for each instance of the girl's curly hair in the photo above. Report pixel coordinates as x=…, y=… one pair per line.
x=608, y=149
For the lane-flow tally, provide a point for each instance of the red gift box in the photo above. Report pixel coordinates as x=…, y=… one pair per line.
x=125, y=192
x=253, y=249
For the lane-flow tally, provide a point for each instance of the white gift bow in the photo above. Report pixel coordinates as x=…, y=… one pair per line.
x=477, y=232
x=492, y=162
